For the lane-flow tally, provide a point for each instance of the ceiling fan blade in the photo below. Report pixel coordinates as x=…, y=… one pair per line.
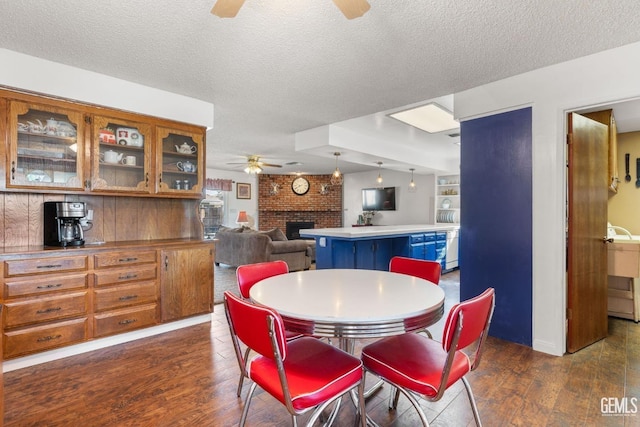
x=227, y=8
x=352, y=8
x=269, y=165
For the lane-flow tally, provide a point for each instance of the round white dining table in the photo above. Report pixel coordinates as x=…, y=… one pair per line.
x=351, y=303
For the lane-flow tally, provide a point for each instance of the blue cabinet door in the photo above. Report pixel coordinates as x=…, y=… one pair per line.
x=373, y=254
x=416, y=250
x=343, y=254
x=430, y=251
x=365, y=250
x=383, y=254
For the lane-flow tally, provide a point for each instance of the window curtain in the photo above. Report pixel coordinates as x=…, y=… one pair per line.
x=218, y=184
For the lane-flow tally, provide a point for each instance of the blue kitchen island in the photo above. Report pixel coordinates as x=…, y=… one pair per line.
x=372, y=247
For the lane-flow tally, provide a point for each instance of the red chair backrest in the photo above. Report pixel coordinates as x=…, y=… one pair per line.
x=428, y=270
x=249, y=274
x=249, y=323
x=474, y=317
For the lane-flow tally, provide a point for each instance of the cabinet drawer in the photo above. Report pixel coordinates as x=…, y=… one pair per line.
x=122, y=296
x=430, y=237
x=441, y=235
x=40, y=284
x=115, y=322
x=122, y=275
x=45, y=308
x=45, y=337
x=44, y=265
x=115, y=259
x=416, y=238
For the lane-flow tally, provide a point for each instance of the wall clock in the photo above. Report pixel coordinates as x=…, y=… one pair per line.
x=300, y=186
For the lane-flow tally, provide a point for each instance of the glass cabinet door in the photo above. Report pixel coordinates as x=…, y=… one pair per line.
x=181, y=162
x=46, y=147
x=121, y=153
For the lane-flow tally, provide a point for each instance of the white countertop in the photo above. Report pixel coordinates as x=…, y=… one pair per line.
x=376, y=230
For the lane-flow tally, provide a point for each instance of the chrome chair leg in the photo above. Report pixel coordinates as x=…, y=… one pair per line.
x=242, y=373
x=474, y=407
x=247, y=402
x=394, y=396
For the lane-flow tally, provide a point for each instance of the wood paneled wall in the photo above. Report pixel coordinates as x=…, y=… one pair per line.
x=115, y=219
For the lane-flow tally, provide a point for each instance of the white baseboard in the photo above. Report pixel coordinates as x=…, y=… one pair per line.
x=72, y=350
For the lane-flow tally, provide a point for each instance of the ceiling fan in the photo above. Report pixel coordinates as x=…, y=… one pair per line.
x=254, y=165
x=350, y=8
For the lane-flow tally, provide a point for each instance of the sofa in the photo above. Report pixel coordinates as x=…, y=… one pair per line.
x=239, y=246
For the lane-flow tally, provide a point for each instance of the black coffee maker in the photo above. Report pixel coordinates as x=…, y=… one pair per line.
x=62, y=223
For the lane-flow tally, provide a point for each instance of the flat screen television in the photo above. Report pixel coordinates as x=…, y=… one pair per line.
x=379, y=199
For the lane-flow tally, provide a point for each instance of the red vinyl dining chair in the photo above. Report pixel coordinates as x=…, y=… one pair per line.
x=248, y=275
x=415, y=364
x=305, y=374
x=428, y=270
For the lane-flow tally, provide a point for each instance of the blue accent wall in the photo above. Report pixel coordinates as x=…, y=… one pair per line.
x=496, y=204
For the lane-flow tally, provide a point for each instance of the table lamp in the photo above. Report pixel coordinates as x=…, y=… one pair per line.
x=242, y=218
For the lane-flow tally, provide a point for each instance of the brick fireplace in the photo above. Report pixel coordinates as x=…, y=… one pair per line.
x=275, y=210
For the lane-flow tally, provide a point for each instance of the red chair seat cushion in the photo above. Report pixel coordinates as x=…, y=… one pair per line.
x=315, y=371
x=413, y=362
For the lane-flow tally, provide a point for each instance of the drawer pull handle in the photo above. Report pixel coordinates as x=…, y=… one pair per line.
x=49, y=338
x=50, y=266
x=128, y=297
x=128, y=259
x=127, y=321
x=127, y=277
x=48, y=310
x=57, y=285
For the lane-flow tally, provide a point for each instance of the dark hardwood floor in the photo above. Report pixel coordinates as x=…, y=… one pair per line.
x=189, y=377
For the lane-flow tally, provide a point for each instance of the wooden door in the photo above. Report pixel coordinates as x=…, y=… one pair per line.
x=587, y=229
x=186, y=282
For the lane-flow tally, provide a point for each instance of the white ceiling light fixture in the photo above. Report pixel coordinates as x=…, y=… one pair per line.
x=336, y=177
x=253, y=169
x=430, y=118
x=379, y=178
x=350, y=8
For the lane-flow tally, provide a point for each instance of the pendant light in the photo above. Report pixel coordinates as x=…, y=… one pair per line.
x=379, y=178
x=336, y=177
x=412, y=184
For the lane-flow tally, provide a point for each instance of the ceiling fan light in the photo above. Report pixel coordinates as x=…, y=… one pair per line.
x=253, y=169
x=352, y=8
x=227, y=8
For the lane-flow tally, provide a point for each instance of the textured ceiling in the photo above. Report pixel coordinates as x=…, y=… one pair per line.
x=284, y=66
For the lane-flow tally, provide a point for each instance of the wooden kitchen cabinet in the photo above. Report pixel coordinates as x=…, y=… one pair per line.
x=186, y=281
x=56, y=145
x=57, y=297
x=121, y=155
x=46, y=303
x=180, y=161
x=45, y=146
x=125, y=291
